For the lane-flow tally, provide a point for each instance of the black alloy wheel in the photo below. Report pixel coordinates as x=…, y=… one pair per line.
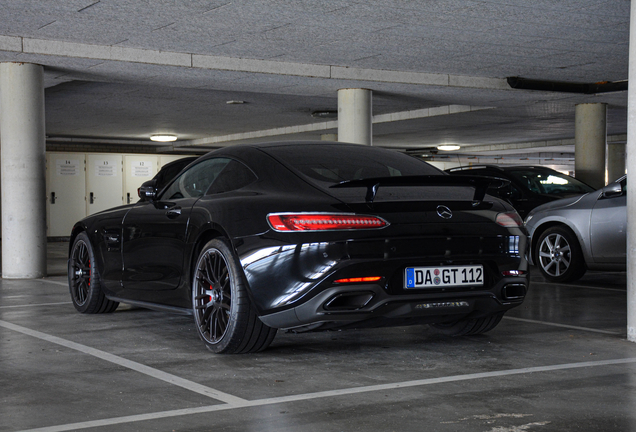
x=225, y=319
x=83, y=279
x=559, y=255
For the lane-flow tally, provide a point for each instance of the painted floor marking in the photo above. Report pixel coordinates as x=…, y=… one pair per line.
x=563, y=325
x=55, y=282
x=36, y=304
x=152, y=372
x=578, y=286
x=324, y=394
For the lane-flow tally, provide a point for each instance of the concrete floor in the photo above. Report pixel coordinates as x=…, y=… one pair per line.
x=558, y=363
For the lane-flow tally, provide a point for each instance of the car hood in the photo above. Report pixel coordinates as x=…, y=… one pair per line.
x=558, y=204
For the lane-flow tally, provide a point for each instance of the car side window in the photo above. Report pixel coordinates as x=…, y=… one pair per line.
x=509, y=191
x=195, y=181
x=234, y=176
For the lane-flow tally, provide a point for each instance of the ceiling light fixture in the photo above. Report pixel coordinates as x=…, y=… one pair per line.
x=163, y=138
x=448, y=147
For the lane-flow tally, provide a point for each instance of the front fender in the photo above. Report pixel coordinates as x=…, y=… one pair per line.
x=581, y=233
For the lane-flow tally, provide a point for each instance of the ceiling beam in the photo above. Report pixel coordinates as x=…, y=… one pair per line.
x=325, y=127
x=66, y=49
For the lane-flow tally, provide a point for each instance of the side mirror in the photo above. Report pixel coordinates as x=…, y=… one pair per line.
x=612, y=190
x=148, y=190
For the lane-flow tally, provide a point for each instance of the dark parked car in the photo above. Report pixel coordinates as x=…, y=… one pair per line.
x=170, y=171
x=306, y=236
x=530, y=186
x=590, y=231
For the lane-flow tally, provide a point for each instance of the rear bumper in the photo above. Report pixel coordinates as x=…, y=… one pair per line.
x=364, y=305
x=295, y=284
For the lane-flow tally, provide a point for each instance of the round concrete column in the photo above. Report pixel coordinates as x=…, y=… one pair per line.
x=631, y=182
x=590, y=135
x=22, y=147
x=615, y=160
x=355, y=116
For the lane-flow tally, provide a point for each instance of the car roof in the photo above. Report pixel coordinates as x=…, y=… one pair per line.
x=500, y=168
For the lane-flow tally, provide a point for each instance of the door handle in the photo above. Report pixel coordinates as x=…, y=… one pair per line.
x=92, y=198
x=174, y=212
x=127, y=197
x=53, y=198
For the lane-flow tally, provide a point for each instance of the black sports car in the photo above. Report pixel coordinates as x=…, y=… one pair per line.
x=306, y=236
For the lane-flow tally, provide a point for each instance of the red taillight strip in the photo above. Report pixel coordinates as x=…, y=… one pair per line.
x=513, y=272
x=358, y=279
x=323, y=221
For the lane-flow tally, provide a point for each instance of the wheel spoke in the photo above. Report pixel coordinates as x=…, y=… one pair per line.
x=207, y=312
x=547, y=267
x=203, y=277
x=210, y=264
x=548, y=243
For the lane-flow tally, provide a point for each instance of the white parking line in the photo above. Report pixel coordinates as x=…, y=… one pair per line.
x=35, y=304
x=579, y=286
x=332, y=393
x=55, y=282
x=155, y=373
x=562, y=325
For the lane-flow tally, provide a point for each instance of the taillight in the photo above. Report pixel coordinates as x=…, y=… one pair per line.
x=358, y=279
x=509, y=220
x=513, y=272
x=323, y=221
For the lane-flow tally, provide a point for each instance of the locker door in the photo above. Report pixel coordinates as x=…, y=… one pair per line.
x=104, y=182
x=65, y=191
x=137, y=169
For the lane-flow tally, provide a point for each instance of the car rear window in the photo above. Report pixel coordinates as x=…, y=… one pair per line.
x=329, y=164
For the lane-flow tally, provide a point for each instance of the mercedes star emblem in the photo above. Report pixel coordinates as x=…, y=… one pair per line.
x=444, y=212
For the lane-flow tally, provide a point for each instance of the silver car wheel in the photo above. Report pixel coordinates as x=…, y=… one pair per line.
x=555, y=255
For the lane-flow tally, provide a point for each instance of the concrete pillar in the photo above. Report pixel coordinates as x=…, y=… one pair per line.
x=590, y=136
x=355, y=118
x=22, y=147
x=631, y=181
x=615, y=160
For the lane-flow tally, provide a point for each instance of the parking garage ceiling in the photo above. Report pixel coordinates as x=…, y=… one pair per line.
x=120, y=71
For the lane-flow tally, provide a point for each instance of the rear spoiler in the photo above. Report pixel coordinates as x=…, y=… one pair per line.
x=373, y=184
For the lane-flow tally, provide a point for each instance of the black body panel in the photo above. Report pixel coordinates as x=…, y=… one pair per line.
x=146, y=251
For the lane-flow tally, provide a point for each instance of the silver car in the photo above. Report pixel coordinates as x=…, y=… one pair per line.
x=571, y=235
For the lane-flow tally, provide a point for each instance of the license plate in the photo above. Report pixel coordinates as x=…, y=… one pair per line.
x=447, y=276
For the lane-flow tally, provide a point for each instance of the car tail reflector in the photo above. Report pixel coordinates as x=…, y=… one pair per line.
x=358, y=279
x=513, y=272
x=323, y=221
x=509, y=220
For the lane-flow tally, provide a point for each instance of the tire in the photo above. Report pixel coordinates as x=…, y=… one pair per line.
x=224, y=317
x=84, y=281
x=468, y=327
x=558, y=255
